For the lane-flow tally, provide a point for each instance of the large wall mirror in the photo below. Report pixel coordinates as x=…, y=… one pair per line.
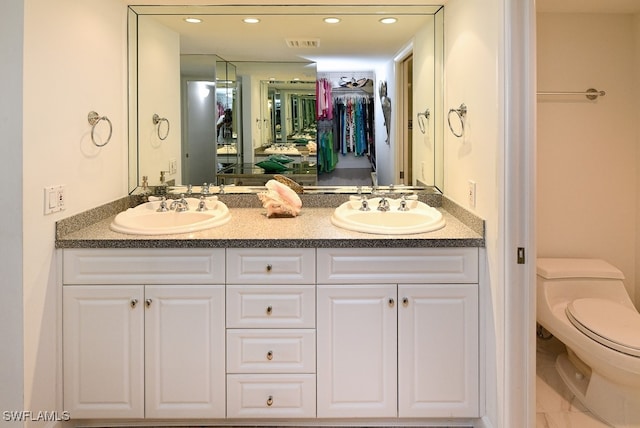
x=218, y=95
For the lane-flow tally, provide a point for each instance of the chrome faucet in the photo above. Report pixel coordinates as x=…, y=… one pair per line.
x=205, y=189
x=383, y=205
x=403, y=204
x=202, y=205
x=180, y=205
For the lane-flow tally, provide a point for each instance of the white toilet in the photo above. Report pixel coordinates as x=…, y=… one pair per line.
x=583, y=302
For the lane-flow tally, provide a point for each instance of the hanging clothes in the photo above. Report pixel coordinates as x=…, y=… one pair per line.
x=324, y=104
x=353, y=124
x=327, y=155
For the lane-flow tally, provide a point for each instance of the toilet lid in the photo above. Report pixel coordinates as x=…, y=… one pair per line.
x=607, y=322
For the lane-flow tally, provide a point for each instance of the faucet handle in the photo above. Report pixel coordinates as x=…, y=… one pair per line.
x=163, y=205
x=403, y=204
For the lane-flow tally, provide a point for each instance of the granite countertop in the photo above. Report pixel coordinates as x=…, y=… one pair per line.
x=249, y=227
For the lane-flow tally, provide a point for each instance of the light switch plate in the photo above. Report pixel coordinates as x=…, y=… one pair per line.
x=54, y=199
x=472, y=194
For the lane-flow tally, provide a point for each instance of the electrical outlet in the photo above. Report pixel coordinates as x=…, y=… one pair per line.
x=173, y=166
x=54, y=199
x=472, y=194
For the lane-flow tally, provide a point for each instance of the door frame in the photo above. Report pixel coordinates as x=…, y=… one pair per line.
x=404, y=134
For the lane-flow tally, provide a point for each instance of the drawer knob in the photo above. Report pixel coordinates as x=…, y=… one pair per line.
x=270, y=355
x=392, y=302
x=269, y=267
x=405, y=302
x=270, y=401
x=269, y=310
x=148, y=302
x=134, y=302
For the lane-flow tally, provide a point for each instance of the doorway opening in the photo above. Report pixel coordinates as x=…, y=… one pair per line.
x=405, y=145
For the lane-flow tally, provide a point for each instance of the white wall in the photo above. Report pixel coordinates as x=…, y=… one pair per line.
x=423, y=98
x=159, y=93
x=385, y=151
x=11, y=309
x=74, y=62
x=588, y=150
x=473, y=76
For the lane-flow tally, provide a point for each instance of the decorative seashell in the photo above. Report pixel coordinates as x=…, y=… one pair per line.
x=280, y=199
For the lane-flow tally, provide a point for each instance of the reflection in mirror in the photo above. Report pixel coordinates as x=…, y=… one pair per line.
x=161, y=42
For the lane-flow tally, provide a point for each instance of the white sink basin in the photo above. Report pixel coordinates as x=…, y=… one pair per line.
x=146, y=220
x=420, y=218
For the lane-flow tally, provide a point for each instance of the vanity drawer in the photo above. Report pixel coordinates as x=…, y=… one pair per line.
x=271, y=266
x=271, y=351
x=398, y=265
x=260, y=306
x=143, y=266
x=271, y=396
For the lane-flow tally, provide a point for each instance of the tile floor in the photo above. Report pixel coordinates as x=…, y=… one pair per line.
x=556, y=406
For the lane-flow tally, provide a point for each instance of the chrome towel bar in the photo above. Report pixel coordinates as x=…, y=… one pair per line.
x=590, y=93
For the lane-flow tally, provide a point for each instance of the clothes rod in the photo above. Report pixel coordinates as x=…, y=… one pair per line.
x=590, y=93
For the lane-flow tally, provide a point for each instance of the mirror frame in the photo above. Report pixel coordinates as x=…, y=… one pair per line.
x=132, y=41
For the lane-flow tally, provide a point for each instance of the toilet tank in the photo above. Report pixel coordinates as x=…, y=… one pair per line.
x=562, y=280
x=557, y=268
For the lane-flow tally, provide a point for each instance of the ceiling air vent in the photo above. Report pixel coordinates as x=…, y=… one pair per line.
x=303, y=43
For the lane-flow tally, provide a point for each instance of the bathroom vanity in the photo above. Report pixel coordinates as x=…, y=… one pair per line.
x=302, y=321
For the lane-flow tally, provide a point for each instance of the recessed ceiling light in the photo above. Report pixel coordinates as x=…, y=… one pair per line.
x=332, y=20
x=389, y=20
x=251, y=20
x=193, y=20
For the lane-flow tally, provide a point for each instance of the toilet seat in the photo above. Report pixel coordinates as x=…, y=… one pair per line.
x=607, y=322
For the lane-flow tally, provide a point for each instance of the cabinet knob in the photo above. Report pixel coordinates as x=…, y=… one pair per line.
x=270, y=401
x=148, y=302
x=134, y=303
x=270, y=355
x=269, y=267
x=392, y=302
x=269, y=310
x=405, y=302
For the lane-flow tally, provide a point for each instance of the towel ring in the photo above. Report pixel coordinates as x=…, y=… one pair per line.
x=157, y=120
x=421, y=118
x=462, y=113
x=94, y=118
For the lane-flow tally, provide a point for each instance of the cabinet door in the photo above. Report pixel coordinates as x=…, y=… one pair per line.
x=357, y=351
x=103, y=350
x=438, y=350
x=185, y=351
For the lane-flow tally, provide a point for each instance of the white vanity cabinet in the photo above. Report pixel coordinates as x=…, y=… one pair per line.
x=398, y=317
x=271, y=342
x=143, y=333
x=270, y=333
